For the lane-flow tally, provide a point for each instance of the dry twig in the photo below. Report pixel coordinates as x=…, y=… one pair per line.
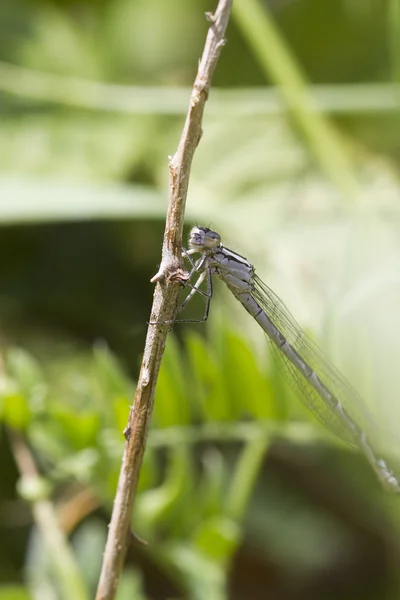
x=169, y=277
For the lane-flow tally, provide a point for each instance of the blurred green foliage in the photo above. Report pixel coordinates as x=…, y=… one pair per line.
x=238, y=492
x=194, y=491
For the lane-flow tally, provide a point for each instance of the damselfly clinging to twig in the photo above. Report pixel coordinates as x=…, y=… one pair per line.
x=325, y=391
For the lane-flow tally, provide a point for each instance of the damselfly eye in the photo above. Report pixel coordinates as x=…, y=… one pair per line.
x=214, y=236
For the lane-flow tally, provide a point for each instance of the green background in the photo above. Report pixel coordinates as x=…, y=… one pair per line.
x=243, y=494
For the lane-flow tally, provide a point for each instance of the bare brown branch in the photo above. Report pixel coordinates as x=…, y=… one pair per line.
x=169, y=277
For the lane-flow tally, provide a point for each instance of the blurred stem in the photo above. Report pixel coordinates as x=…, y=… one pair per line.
x=245, y=476
x=393, y=26
x=278, y=62
x=226, y=432
x=67, y=574
x=63, y=90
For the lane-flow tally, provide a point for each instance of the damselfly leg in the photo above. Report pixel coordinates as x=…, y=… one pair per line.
x=197, y=266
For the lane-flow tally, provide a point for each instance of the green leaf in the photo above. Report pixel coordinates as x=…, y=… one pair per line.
x=113, y=379
x=209, y=387
x=45, y=438
x=28, y=378
x=34, y=201
x=59, y=44
x=23, y=368
x=172, y=402
x=80, y=429
x=214, y=479
x=150, y=472
x=245, y=476
x=218, y=538
x=156, y=505
x=14, y=592
x=121, y=408
x=131, y=585
x=248, y=387
x=278, y=62
x=205, y=578
x=116, y=390
x=15, y=410
x=80, y=465
x=88, y=542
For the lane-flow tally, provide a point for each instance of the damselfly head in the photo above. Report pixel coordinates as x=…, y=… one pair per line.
x=202, y=238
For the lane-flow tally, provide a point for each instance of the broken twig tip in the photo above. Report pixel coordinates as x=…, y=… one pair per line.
x=210, y=17
x=159, y=276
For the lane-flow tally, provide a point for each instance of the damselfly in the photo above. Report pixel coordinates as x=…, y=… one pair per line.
x=325, y=391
